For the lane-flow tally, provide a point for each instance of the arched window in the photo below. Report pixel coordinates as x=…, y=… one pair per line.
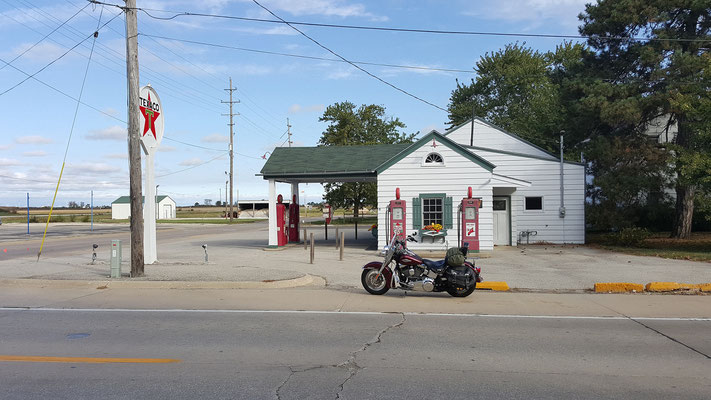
x=434, y=158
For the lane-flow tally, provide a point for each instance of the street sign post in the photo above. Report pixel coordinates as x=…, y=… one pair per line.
x=151, y=111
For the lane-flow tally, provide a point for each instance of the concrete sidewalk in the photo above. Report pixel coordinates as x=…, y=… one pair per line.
x=237, y=254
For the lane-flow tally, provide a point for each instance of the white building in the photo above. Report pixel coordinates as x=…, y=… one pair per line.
x=121, y=208
x=520, y=184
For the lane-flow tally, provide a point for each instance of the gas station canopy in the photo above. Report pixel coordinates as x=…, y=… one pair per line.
x=330, y=163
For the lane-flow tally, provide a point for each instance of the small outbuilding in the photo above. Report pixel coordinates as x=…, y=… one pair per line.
x=121, y=207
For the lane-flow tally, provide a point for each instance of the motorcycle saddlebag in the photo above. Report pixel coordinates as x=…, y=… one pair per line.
x=460, y=276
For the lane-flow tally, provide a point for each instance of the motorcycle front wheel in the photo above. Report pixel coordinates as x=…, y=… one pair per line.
x=373, y=282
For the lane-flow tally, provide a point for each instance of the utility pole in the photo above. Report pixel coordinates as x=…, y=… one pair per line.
x=134, y=140
x=231, y=124
x=288, y=130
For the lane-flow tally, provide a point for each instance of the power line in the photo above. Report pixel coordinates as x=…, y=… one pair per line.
x=93, y=34
x=189, y=168
x=193, y=145
x=310, y=57
x=407, y=30
x=350, y=62
x=45, y=37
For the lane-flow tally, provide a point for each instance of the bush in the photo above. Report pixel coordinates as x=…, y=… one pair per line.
x=628, y=237
x=85, y=218
x=72, y=218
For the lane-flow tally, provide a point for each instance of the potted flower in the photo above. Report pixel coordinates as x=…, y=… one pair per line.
x=433, y=227
x=374, y=230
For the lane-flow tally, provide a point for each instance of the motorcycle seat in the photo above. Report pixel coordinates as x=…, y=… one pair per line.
x=436, y=266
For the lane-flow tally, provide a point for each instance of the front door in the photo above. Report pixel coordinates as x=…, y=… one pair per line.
x=502, y=231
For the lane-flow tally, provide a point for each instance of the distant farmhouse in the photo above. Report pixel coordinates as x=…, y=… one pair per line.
x=121, y=207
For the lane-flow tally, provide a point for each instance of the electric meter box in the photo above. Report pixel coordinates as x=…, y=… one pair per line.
x=115, y=258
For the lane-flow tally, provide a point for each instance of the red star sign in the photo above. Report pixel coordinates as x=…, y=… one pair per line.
x=150, y=115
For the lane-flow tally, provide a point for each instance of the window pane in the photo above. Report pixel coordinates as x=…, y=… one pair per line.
x=534, y=203
x=499, y=205
x=432, y=211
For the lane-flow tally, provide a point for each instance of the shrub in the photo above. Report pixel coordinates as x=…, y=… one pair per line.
x=85, y=218
x=72, y=218
x=628, y=237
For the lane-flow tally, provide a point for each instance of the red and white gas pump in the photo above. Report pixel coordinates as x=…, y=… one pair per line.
x=281, y=221
x=469, y=215
x=294, y=220
x=397, y=212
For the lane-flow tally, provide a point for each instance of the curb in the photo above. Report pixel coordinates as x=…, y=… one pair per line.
x=618, y=287
x=652, y=287
x=122, y=284
x=496, y=286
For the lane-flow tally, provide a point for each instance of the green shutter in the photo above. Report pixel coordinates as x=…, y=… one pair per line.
x=416, y=213
x=447, y=213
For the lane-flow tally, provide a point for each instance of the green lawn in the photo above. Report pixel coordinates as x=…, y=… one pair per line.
x=697, y=248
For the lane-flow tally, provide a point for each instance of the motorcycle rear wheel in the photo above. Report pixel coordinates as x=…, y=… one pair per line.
x=461, y=292
x=373, y=282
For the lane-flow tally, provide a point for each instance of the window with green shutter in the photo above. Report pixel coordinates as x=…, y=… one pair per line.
x=416, y=213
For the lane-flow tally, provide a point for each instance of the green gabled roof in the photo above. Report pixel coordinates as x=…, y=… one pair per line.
x=127, y=199
x=444, y=140
x=329, y=160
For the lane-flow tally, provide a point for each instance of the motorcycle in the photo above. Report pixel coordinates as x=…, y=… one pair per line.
x=403, y=269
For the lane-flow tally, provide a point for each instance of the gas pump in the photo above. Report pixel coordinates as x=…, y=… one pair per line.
x=281, y=221
x=294, y=220
x=397, y=214
x=469, y=216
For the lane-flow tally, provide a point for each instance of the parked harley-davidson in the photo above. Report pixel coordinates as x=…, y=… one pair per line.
x=403, y=269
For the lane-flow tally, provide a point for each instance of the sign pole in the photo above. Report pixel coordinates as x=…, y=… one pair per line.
x=28, y=213
x=151, y=111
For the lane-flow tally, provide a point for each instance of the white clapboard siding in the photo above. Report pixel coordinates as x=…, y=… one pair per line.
x=544, y=177
x=490, y=137
x=453, y=178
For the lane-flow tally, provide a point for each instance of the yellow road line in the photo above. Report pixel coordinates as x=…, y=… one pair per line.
x=91, y=360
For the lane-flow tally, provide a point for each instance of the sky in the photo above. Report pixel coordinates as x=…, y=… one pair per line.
x=38, y=115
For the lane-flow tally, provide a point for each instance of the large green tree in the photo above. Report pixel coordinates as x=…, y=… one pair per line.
x=519, y=89
x=350, y=125
x=668, y=75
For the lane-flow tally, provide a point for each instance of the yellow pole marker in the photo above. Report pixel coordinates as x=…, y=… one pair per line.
x=50, y=211
x=90, y=360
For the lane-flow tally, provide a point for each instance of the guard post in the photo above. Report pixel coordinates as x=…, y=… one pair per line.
x=115, y=258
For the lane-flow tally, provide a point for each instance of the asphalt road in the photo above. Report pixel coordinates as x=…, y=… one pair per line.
x=317, y=355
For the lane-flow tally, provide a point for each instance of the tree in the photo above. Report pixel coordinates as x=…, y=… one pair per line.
x=348, y=125
x=516, y=90
x=668, y=76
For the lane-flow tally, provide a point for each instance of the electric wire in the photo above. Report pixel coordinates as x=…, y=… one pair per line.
x=193, y=145
x=45, y=37
x=192, y=167
x=71, y=131
x=406, y=30
x=53, y=61
x=276, y=53
x=351, y=63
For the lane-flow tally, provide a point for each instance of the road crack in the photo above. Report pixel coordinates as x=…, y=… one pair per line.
x=292, y=372
x=352, y=366
x=657, y=331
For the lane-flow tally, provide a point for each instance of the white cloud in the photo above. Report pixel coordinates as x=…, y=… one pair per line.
x=9, y=162
x=191, y=162
x=536, y=12
x=216, y=138
x=5, y=146
x=38, y=153
x=33, y=139
x=115, y=132
x=91, y=168
x=166, y=149
x=111, y=111
x=329, y=8
x=118, y=156
x=298, y=108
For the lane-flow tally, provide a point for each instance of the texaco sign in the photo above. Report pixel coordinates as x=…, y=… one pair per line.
x=151, y=113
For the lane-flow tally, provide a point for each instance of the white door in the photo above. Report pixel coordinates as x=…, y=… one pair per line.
x=502, y=233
